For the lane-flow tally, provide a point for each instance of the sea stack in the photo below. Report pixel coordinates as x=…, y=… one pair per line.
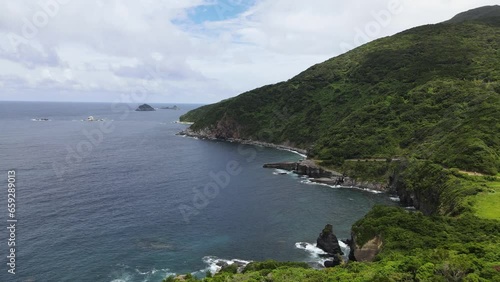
x=145, y=108
x=328, y=242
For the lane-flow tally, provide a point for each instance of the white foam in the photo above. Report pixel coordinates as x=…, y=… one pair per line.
x=293, y=151
x=370, y=190
x=212, y=262
x=395, y=199
x=281, y=172
x=343, y=246
x=309, y=181
x=127, y=273
x=315, y=252
x=310, y=248
x=183, y=122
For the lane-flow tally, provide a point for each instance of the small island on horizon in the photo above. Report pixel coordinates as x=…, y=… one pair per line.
x=174, y=107
x=145, y=108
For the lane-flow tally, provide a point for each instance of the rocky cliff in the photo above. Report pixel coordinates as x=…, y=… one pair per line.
x=322, y=175
x=367, y=251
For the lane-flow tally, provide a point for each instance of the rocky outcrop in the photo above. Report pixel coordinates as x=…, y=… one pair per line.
x=145, y=108
x=170, y=108
x=336, y=261
x=321, y=175
x=328, y=242
x=222, y=136
x=227, y=128
x=367, y=252
x=307, y=167
x=346, y=181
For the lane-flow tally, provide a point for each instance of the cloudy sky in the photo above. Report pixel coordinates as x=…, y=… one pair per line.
x=186, y=51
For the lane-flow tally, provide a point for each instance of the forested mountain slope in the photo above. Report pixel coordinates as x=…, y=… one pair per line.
x=431, y=92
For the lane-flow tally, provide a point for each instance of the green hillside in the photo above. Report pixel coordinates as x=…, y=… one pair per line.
x=432, y=92
x=427, y=101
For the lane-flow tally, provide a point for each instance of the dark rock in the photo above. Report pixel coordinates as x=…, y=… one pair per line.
x=348, y=242
x=325, y=255
x=305, y=167
x=239, y=263
x=222, y=264
x=145, y=108
x=328, y=242
x=332, y=263
x=322, y=175
x=230, y=268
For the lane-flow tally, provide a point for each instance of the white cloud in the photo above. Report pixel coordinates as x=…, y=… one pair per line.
x=96, y=50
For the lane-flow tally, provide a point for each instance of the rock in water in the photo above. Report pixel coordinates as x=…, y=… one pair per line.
x=336, y=261
x=328, y=242
x=145, y=108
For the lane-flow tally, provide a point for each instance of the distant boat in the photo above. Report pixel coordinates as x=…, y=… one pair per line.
x=91, y=118
x=170, y=108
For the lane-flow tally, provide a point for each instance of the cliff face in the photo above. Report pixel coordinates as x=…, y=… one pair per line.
x=368, y=251
x=305, y=167
x=321, y=175
x=226, y=128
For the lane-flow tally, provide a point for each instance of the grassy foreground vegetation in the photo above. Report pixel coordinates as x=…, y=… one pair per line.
x=487, y=204
x=428, y=97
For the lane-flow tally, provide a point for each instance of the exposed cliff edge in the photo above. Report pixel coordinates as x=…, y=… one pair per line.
x=307, y=167
x=367, y=251
x=230, y=136
x=321, y=175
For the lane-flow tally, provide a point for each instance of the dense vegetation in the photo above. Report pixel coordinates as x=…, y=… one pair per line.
x=432, y=92
x=422, y=109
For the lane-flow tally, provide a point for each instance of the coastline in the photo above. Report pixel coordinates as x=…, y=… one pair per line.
x=312, y=174
x=315, y=173
x=189, y=133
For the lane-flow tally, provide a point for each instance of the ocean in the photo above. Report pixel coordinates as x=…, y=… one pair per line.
x=124, y=198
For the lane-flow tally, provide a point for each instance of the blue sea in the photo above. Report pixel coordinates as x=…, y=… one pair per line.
x=124, y=198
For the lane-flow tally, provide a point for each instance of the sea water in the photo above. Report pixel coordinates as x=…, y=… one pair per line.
x=119, y=199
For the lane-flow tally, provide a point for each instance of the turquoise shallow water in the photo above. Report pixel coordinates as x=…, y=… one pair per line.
x=113, y=212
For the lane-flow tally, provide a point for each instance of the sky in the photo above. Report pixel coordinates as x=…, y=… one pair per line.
x=186, y=51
